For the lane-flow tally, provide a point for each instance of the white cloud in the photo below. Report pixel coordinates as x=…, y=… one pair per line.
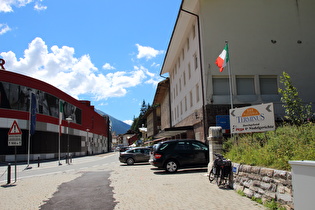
x=108, y=66
x=4, y=28
x=129, y=122
x=6, y=5
x=75, y=76
x=38, y=6
x=147, y=52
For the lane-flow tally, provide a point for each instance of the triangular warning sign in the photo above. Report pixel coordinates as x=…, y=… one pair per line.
x=14, y=129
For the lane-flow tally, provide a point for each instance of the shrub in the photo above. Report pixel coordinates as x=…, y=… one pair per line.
x=273, y=149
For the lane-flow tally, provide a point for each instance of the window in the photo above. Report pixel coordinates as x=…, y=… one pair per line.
x=194, y=31
x=187, y=44
x=197, y=93
x=191, y=99
x=180, y=85
x=221, y=86
x=189, y=71
x=245, y=86
x=268, y=85
x=174, y=93
x=182, y=146
x=198, y=146
x=183, y=53
x=181, y=108
x=185, y=100
x=195, y=61
x=176, y=90
x=184, y=77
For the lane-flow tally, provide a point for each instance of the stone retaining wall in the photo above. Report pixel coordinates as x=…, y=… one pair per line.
x=264, y=183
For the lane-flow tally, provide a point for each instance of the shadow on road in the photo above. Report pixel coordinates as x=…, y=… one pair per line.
x=180, y=171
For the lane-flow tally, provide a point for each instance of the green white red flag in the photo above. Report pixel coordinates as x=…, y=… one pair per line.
x=223, y=58
x=60, y=116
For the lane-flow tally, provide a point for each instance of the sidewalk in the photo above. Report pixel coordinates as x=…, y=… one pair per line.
x=134, y=187
x=142, y=187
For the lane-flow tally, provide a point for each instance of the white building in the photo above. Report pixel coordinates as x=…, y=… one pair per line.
x=265, y=38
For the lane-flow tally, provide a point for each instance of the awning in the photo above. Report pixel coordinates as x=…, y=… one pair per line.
x=154, y=140
x=170, y=132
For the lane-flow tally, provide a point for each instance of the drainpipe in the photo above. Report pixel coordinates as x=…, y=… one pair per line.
x=201, y=74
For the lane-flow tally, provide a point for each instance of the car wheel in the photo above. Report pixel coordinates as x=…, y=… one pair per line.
x=171, y=166
x=130, y=161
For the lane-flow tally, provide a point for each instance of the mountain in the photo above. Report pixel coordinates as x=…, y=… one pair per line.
x=119, y=127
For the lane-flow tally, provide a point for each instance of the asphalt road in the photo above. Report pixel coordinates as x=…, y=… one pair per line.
x=90, y=191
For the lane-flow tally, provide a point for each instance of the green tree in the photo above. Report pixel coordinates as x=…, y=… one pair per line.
x=140, y=121
x=296, y=112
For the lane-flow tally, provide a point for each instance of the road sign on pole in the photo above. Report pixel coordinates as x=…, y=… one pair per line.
x=251, y=119
x=15, y=135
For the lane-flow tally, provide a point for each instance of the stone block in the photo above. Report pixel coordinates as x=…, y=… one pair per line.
x=255, y=169
x=248, y=192
x=266, y=179
x=254, y=176
x=265, y=186
x=280, y=174
x=266, y=172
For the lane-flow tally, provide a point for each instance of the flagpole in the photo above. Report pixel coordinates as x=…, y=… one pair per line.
x=29, y=132
x=59, y=128
x=230, y=76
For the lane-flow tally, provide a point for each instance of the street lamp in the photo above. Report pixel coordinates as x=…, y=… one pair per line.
x=69, y=119
x=87, y=141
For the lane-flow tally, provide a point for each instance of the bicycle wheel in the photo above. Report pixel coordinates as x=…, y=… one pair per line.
x=211, y=175
x=219, y=179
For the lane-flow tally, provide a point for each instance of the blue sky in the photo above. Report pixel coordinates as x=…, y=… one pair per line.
x=107, y=51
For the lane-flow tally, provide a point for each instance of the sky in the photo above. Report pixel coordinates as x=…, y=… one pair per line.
x=109, y=52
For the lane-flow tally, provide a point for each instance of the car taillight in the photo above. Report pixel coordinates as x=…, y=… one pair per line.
x=157, y=156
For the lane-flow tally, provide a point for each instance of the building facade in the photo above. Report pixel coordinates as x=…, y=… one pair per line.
x=266, y=38
x=80, y=129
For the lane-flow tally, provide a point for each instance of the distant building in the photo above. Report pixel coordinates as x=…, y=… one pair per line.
x=88, y=132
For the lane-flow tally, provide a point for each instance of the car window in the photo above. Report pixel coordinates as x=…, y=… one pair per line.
x=146, y=151
x=199, y=146
x=182, y=145
x=163, y=146
x=137, y=150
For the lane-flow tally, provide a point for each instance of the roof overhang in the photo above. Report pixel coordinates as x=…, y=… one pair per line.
x=180, y=29
x=170, y=132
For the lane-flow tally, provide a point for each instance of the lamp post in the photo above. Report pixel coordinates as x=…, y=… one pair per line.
x=69, y=119
x=87, y=141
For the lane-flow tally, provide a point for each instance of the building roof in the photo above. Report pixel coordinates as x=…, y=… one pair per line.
x=180, y=28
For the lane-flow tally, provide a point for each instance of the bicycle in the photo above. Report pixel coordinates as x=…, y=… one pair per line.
x=221, y=170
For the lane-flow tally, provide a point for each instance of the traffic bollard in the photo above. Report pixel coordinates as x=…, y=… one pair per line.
x=38, y=162
x=9, y=173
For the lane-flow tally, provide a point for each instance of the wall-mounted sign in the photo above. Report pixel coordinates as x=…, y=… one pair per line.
x=251, y=119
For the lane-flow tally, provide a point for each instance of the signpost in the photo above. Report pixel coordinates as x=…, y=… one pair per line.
x=15, y=139
x=251, y=119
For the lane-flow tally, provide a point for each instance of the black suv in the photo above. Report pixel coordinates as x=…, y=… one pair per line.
x=174, y=154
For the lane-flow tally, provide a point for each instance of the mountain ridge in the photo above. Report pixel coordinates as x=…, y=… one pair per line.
x=118, y=126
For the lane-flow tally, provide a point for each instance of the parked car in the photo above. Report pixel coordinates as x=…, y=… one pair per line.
x=174, y=154
x=135, y=155
x=123, y=149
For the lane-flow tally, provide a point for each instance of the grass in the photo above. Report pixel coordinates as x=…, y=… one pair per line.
x=273, y=149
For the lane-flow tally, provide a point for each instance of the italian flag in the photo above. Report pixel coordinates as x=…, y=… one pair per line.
x=223, y=58
x=60, y=116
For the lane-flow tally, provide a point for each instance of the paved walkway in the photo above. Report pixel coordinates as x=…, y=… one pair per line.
x=141, y=187
x=134, y=187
